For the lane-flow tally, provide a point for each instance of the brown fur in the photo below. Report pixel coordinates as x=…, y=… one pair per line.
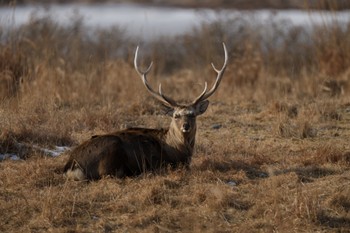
x=133, y=151
x=124, y=153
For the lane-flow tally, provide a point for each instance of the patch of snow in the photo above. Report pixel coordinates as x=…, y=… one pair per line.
x=9, y=156
x=232, y=183
x=58, y=150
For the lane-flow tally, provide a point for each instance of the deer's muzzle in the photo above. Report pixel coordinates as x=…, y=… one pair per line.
x=186, y=127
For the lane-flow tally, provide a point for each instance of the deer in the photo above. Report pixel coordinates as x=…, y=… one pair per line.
x=133, y=151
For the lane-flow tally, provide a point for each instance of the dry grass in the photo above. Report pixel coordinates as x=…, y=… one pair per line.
x=272, y=152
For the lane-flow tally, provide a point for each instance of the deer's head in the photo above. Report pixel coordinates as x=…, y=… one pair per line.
x=183, y=116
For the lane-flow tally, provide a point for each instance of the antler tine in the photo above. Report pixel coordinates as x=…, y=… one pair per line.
x=166, y=100
x=202, y=94
x=220, y=73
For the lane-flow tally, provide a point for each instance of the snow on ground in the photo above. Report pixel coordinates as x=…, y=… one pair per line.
x=9, y=156
x=56, y=151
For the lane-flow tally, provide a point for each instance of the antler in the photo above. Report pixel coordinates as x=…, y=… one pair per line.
x=160, y=96
x=205, y=95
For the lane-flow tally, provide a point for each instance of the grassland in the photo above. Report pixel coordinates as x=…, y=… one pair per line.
x=272, y=151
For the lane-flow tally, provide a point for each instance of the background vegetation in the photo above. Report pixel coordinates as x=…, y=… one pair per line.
x=272, y=152
x=239, y=4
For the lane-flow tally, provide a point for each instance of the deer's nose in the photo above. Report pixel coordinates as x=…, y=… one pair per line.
x=186, y=127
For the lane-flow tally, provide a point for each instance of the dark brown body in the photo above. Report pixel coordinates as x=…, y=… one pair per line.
x=125, y=153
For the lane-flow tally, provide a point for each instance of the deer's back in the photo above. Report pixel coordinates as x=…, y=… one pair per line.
x=123, y=153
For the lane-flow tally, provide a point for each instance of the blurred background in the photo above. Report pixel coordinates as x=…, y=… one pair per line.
x=239, y=4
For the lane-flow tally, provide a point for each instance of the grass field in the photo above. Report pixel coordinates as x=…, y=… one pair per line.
x=272, y=151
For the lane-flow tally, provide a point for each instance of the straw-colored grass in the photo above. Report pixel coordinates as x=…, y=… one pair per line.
x=272, y=151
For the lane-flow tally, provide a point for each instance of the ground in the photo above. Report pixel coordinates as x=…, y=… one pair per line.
x=272, y=151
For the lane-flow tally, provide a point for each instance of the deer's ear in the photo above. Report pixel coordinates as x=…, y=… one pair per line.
x=201, y=107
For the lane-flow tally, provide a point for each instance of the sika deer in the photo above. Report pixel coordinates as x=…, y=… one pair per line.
x=133, y=151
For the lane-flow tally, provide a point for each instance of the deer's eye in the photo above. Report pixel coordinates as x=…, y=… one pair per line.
x=177, y=116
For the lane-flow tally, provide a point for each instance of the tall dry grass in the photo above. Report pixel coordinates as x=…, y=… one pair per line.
x=272, y=150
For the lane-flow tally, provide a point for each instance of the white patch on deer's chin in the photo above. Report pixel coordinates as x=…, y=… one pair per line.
x=185, y=131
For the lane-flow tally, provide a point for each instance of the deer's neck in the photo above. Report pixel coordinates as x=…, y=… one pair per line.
x=179, y=145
